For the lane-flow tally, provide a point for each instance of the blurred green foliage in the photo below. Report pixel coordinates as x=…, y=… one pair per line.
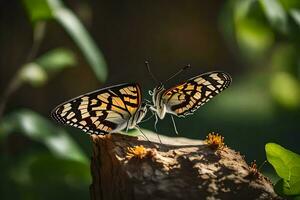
x=38, y=10
x=37, y=72
x=265, y=34
x=57, y=59
x=53, y=161
x=261, y=106
x=41, y=10
x=41, y=130
x=269, y=29
x=287, y=166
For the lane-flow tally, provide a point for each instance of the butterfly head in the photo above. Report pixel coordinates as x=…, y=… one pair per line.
x=155, y=93
x=157, y=105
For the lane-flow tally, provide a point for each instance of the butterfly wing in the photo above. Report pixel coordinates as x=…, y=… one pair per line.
x=102, y=111
x=185, y=98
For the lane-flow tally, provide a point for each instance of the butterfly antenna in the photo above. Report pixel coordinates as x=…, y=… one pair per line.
x=151, y=74
x=155, y=123
x=179, y=72
x=175, y=128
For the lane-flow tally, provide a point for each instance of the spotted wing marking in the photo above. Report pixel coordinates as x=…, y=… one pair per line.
x=187, y=97
x=101, y=111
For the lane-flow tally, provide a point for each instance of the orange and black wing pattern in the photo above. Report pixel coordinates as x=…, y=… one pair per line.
x=102, y=111
x=187, y=97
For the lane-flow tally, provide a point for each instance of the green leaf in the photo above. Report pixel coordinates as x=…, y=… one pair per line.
x=242, y=9
x=57, y=59
x=37, y=10
x=290, y=4
x=40, y=10
x=253, y=37
x=84, y=42
x=41, y=130
x=275, y=14
x=33, y=74
x=295, y=13
x=81, y=37
x=288, y=98
x=287, y=165
x=132, y=132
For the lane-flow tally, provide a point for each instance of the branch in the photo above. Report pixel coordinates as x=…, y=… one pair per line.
x=179, y=168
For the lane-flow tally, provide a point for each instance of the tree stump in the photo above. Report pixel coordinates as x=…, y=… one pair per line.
x=179, y=168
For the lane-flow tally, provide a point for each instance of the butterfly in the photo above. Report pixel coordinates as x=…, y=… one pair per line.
x=103, y=111
x=185, y=98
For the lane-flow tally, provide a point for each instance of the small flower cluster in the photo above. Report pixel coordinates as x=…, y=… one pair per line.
x=215, y=141
x=138, y=152
x=253, y=170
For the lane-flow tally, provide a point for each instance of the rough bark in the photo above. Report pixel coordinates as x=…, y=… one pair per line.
x=179, y=168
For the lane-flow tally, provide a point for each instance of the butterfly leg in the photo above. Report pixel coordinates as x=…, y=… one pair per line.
x=153, y=110
x=147, y=118
x=144, y=135
x=155, y=123
x=159, y=138
x=175, y=128
x=155, y=127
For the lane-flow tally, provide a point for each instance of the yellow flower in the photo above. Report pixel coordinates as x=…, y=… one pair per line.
x=138, y=152
x=215, y=141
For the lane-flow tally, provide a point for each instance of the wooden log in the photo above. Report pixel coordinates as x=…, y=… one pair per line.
x=179, y=168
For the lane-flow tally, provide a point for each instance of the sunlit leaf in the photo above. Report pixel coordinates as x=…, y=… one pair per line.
x=286, y=90
x=287, y=165
x=81, y=37
x=37, y=10
x=295, y=13
x=57, y=59
x=33, y=74
x=40, y=10
x=40, y=129
x=242, y=9
x=133, y=133
x=36, y=73
x=84, y=42
x=275, y=14
x=254, y=37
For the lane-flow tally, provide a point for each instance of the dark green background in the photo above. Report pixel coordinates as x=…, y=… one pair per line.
x=258, y=48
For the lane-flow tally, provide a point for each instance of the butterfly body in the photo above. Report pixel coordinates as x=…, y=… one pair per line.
x=159, y=107
x=103, y=111
x=185, y=98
